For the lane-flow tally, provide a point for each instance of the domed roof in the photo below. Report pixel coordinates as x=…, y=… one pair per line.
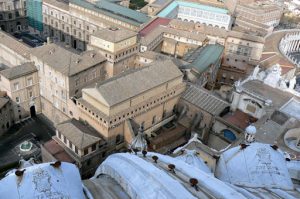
x=141, y=178
x=190, y=157
x=43, y=181
x=250, y=129
x=257, y=165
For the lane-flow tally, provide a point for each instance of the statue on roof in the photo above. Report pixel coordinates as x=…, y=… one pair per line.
x=255, y=72
x=139, y=141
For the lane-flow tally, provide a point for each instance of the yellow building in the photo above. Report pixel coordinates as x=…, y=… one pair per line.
x=118, y=46
x=144, y=97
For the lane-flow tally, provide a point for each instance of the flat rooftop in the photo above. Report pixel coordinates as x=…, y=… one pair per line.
x=166, y=11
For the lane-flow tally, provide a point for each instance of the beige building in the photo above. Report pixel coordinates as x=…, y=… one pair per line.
x=198, y=109
x=13, y=15
x=243, y=49
x=21, y=83
x=74, y=21
x=62, y=75
x=264, y=12
x=143, y=97
x=118, y=46
x=80, y=142
x=12, y=51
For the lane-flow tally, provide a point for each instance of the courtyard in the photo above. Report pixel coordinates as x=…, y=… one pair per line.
x=37, y=130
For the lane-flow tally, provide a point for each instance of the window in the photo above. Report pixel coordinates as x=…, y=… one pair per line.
x=18, y=100
x=76, y=82
x=118, y=139
x=16, y=86
x=10, y=16
x=70, y=144
x=76, y=150
x=30, y=94
x=93, y=147
x=154, y=119
x=65, y=140
x=86, y=151
x=29, y=81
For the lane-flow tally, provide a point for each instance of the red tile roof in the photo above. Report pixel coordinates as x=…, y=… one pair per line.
x=265, y=56
x=153, y=24
x=58, y=151
x=239, y=119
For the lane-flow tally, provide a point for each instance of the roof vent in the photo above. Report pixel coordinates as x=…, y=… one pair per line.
x=93, y=55
x=77, y=61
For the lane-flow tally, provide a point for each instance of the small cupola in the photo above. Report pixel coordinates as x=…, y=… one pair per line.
x=250, y=132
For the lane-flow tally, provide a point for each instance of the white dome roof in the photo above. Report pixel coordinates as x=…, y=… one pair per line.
x=257, y=165
x=141, y=178
x=251, y=130
x=190, y=157
x=44, y=181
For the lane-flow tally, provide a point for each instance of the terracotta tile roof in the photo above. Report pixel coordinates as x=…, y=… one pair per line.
x=132, y=83
x=239, y=119
x=79, y=134
x=58, y=151
x=153, y=24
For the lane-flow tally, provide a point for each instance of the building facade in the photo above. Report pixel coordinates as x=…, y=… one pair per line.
x=6, y=113
x=198, y=13
x=63, y=73
x=81, y=142
x=64, y=21
x=13, y=15
x=266, y=13
x=144, y=97
x=118, y=46
x=21, y=83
